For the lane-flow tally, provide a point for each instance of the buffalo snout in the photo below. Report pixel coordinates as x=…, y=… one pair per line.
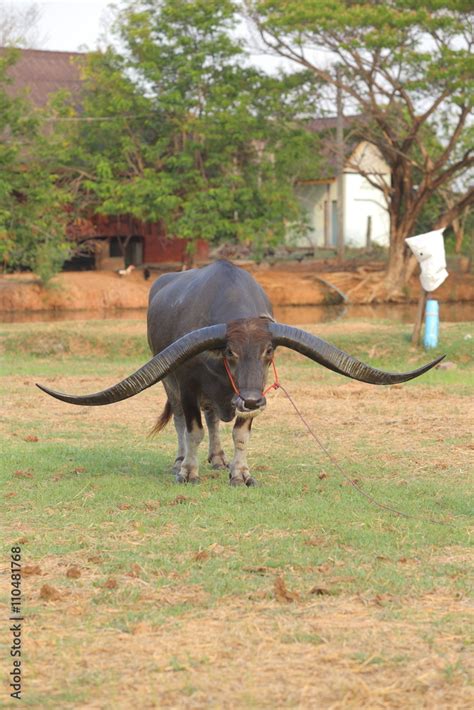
x=254, y=403
x=251, y=402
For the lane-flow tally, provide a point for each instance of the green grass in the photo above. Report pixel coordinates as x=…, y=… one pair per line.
x=124, y=467
x=269, y=526
x=99, y=487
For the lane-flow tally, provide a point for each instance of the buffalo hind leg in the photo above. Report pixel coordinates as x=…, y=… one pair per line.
x=239, y=470
x=189, y=471
x=216, y=454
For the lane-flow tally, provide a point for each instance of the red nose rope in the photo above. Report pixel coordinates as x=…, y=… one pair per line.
x=274, y=386
x=383, y=506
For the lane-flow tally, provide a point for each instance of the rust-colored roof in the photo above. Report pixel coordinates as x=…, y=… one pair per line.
x=326, y=126
x=330, y=122
x=44, y=72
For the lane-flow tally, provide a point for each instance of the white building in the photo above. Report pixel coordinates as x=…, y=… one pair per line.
x=366, y=219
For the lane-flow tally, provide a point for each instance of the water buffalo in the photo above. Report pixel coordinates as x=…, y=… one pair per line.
x=213, y=336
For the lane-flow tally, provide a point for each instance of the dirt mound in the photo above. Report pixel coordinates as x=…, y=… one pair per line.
x=85, y=290
x=297, y=285
x=304, y=284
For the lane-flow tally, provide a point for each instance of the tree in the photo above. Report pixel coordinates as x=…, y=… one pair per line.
x=32, y=204
x=406, y=68
x=177, y=127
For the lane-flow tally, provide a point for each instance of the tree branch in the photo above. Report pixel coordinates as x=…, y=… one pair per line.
x=455, y=210
x=454, y=138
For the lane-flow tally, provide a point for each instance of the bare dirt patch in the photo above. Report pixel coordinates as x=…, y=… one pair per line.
x=85, y=290
x=296, y=285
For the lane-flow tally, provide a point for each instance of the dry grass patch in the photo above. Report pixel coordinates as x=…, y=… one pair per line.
x=331, y=653
x=295, y=594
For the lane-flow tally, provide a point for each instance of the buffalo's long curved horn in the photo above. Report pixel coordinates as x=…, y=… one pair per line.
x=337, y=360
x=191, y=344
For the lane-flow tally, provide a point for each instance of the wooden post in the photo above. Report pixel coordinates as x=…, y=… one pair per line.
x=368, y=233
x=340, y=170
x=415, y=338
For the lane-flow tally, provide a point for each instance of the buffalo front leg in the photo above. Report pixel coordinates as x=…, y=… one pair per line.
x=239, y=470
x=180, y=426
x=216, y=454
x=189, y=470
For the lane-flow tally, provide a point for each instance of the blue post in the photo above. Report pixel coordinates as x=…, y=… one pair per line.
x=430, y=339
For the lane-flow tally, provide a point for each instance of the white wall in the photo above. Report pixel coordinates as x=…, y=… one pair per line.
x=311, y=199
x=363, y=200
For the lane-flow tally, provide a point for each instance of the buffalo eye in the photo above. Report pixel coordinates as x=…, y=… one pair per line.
x=269, y=351
x=229, y=353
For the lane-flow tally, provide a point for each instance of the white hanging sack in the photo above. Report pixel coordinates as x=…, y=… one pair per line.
x=429, y=252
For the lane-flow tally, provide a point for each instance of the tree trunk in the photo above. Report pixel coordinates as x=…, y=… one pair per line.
x=403, y=214
x=458, y=229
x=395, y=277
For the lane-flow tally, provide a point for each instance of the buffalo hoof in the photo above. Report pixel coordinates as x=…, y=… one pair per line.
x=219, y=466
x=236, y=482
x=251, y=482
x=177, y=465
x=182, y=479
x=218, y=461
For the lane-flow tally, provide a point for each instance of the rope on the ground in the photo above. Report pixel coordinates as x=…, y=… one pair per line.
x=374, y=501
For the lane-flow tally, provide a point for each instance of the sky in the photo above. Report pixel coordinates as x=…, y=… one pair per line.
x=69, y=25
x=75, y=25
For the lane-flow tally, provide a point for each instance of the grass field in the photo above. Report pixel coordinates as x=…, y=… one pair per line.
x=298, y=593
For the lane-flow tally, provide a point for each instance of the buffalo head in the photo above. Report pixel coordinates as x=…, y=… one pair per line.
x=247, y=346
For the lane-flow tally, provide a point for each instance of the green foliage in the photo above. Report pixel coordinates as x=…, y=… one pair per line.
x=32, y=204
x=406, y=69
x=195, y=136
x=48, y=258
